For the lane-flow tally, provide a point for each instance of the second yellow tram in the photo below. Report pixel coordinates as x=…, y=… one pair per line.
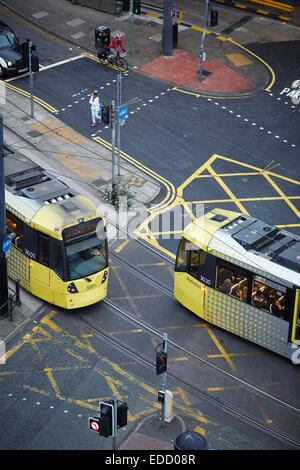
x=243, y=275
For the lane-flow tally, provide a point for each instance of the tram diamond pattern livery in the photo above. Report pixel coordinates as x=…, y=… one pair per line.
x=59, y=245
x=243, y=275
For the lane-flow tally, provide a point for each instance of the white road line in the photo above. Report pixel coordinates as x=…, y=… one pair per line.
x=46, y=67
x=42, y=68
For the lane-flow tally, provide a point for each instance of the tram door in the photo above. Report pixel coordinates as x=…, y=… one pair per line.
x=296, y=321
x=41, y=275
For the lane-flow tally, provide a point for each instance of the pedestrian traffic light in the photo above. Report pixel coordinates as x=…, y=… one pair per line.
x=137, y=7
x=161, y=362
x=213, y=17
x=106, y=419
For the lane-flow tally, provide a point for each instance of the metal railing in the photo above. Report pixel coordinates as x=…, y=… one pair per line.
x=13, y=300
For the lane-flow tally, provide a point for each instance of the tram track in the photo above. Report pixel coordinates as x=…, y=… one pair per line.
x=140, y=358
x=245, y=386
x=163, y=288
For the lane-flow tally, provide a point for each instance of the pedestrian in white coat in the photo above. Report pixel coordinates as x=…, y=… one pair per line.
x=95, y=108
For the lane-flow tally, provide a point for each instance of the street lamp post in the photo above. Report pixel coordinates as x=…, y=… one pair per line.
x=201, y=79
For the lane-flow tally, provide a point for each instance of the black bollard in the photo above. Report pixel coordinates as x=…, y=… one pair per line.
x=190, y=440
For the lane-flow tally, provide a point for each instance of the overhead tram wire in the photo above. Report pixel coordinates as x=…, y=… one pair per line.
x=73, y=44
x=117, y=226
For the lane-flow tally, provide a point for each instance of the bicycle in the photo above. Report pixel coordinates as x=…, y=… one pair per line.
x=117, y=61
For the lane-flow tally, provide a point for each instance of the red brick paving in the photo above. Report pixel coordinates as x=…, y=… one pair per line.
x=181, y=69
x=139, y=441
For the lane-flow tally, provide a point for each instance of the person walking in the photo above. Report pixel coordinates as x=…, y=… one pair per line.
x=95, y=108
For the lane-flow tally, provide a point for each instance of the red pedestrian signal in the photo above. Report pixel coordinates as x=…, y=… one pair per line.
x=161, y=362
x=213, y=17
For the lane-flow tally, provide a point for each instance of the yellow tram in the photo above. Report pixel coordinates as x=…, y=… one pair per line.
x=59, y=245
x=243, y=275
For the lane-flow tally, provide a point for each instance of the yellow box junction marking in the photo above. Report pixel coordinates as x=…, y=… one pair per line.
x=145, y=232
x=116, y=384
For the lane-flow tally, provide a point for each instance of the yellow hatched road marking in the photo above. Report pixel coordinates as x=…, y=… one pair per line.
x=151, y=264
x=127, y=295
x=120, y=247
x=112, y=382
x=47, y=321
x=183, y=396
x=227, y=190
x=220, y=347
x=282, y=194
x=218, y=389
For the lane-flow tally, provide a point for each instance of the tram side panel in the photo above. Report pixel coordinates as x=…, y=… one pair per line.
x=225, y=310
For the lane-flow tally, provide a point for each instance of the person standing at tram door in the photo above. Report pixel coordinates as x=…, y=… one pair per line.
x=95, y=108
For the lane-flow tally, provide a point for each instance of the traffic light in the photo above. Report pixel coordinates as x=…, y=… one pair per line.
x=136, y=7
x=122, y=414
x=35, y=63
x=126, y=5
x=25, y=52
x=213, y=17
x=161, y=362
x=106, y=419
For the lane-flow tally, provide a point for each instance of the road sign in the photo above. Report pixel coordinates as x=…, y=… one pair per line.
x=6, y=244
x=94, y=424
x=122, y=112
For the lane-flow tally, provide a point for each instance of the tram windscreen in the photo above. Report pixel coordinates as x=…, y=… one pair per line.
x=87, y=255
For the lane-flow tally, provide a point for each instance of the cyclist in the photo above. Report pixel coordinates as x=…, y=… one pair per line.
x=115, y=43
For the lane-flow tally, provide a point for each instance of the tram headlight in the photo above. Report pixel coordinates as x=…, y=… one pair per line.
x=104, y=277
x=72, y=288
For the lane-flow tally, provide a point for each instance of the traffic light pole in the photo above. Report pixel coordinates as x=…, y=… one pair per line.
x=119, y=93
x=30, y=77
x=131, y=28
x=3, y=267
x=167, y=32
x=164, y=381
x=115, y=401
x=113, y=143
x=201, y=79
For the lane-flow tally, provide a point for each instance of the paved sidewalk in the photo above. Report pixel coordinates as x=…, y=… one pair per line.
x=231, y=69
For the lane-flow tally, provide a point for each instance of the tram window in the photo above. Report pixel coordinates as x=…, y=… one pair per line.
x=43, y=249
x=269, y=296
x=182, y=256
x=194, y=262
x=15, y=225
x=230, y=280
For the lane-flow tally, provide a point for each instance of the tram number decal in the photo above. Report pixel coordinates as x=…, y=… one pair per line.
x=29, y=253
x=206, y=281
